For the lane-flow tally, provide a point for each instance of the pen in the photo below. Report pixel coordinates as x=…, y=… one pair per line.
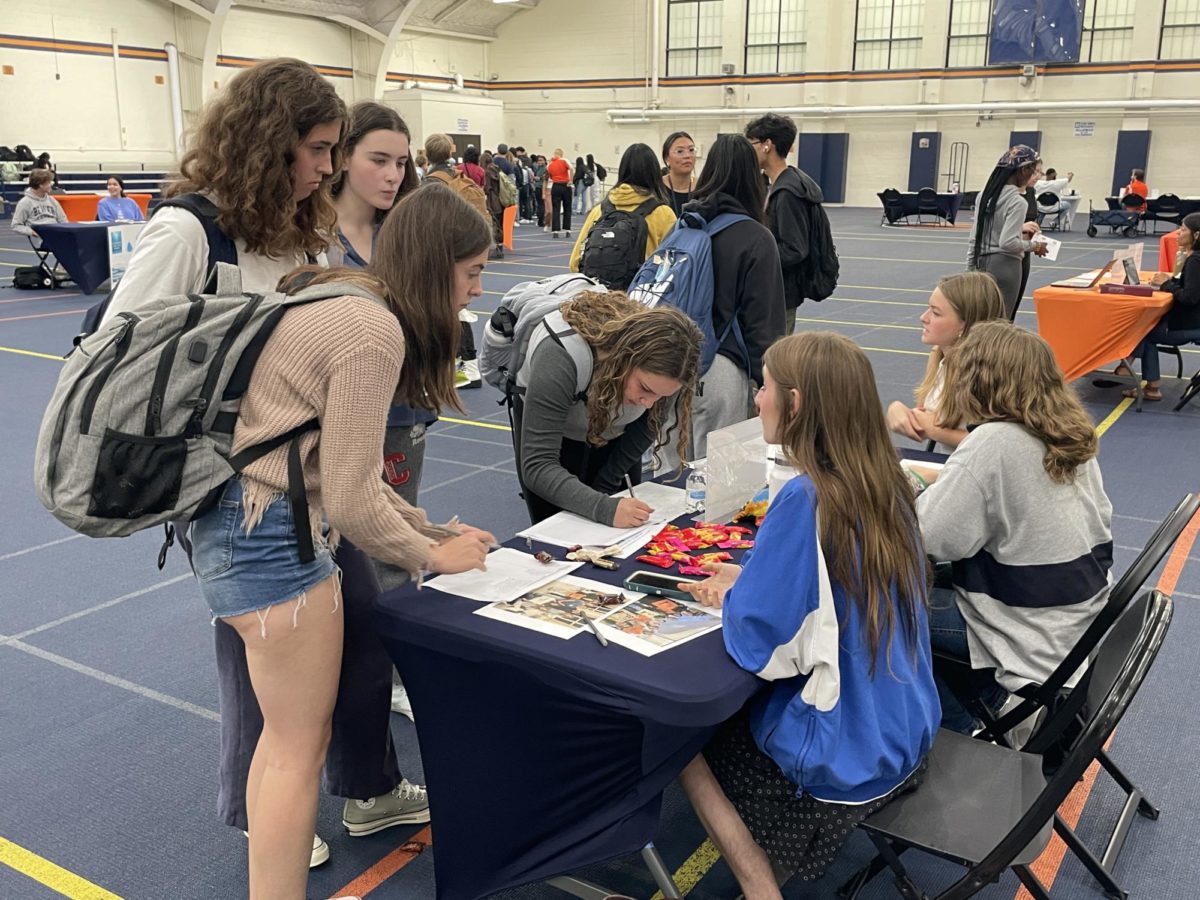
x=629, y=484
x=596, y=631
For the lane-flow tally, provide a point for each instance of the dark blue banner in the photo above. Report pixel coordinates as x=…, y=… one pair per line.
x=1035, y=31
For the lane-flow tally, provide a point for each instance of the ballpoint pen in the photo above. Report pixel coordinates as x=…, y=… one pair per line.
x=596, y=631
x=629, y=485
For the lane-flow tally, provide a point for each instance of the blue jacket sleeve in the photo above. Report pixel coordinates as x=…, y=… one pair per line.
x=780, y=620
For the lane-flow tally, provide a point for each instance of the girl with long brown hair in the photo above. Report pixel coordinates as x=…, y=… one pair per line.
x=830, y=608
x=574, y=448
x=1020, y=510
x=341, y=361
x=956, y=304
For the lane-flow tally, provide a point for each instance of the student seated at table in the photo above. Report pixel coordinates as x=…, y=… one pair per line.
x=36, y=206
x=1181, y=324
x=1020, y=511
x=1137, y=185
x=830, y=608
x=116, y=207
x=957, y=303
x=575, y=449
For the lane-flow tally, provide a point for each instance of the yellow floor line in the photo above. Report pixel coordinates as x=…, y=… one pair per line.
x=476, y=424
x=695, y=867
x=47, y=873
x=31, y=353
x=1113, y=416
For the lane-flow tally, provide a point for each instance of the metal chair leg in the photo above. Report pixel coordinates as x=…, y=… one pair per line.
x=662, y=875
x=1145, y=807
x=1031, y=883
x=1096, y=867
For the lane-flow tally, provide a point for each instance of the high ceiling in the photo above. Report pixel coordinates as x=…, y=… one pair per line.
x=473, y=17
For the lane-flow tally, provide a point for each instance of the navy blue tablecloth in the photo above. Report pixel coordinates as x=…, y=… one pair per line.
x=82, y=248
x=541, y=755
x=947, y=207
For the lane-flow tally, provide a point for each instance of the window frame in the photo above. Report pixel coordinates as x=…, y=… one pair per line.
x=950, y=36
x=1162, y=32
x=668, y=50
x=777, y=44
x=1088, y=33
x=891, y=40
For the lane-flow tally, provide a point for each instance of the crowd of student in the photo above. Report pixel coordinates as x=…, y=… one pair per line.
x=834, y=608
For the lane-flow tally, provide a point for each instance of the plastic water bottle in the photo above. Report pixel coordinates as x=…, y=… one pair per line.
x=697, y=488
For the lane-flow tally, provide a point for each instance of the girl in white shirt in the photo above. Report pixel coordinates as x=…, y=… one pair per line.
x=957, y=303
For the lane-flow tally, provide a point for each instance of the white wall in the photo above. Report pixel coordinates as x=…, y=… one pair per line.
x=426, y=112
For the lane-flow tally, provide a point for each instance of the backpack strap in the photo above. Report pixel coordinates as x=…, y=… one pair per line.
x=713, y=228
x=221, y=248
x=647, y=206
x=577, y=348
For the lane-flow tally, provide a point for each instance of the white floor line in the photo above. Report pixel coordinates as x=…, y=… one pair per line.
x=123, y=683
x=462, y=437
x=99, y=607
x=55, y=543
x=495, y=468
x=458, y=462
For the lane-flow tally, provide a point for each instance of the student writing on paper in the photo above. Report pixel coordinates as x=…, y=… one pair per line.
x=1020, y=510
x=830, y=607
x=575, y=447
x=957, y=303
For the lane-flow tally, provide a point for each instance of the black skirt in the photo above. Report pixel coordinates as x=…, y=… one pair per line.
x=799, y=833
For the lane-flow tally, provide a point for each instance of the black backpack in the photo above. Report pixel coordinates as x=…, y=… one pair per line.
x=821, y=268
x=24, y=154
x=616, y=245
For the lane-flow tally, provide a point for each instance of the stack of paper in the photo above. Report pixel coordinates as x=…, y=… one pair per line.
x=566, y=529
x=510, y=573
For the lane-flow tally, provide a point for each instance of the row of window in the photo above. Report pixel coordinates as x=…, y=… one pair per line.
x=887, y=34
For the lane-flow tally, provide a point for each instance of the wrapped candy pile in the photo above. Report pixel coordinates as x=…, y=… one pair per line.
x=679, y=545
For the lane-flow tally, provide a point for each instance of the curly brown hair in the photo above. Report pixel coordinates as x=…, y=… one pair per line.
x=1002, y=373
x=243, y=149
x=624, y=336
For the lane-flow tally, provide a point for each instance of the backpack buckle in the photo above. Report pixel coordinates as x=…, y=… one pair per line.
x=167, y=544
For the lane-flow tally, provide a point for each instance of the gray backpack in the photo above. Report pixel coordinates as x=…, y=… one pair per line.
x=139, y=428
x=508, y=337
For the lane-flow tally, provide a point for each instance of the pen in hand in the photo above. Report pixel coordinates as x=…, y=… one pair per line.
x=629, y=485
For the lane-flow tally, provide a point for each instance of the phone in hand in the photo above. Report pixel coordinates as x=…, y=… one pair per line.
x=659, y=584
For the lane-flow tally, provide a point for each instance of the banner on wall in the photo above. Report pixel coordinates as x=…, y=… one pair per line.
x=1085, y=129
x=122, y=239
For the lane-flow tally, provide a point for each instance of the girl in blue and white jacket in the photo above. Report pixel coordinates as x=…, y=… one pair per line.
x=830, y=608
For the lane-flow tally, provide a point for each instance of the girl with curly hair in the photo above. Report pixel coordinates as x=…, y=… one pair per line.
x=259, y=168
x=1020, y=511
x=575, y=447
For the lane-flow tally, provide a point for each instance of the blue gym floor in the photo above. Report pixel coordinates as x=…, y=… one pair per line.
x=108, y=701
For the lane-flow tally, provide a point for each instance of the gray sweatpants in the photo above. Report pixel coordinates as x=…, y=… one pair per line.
x=724, y=397
x=1007, y=272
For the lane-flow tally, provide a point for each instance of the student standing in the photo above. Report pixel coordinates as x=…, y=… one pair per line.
x=829, y=609
x=1000, y=237
x=956, y=304
x=790, y=202
x=558, y=171
x=116, y=207
x=278, y=215
x=747, y=287
x=679, y=156
x=1021, y=512
x=575, y=448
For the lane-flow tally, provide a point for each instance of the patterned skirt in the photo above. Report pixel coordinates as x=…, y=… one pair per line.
x=799, y=833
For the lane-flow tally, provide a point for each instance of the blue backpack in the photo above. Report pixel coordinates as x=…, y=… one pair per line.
x=679, y=273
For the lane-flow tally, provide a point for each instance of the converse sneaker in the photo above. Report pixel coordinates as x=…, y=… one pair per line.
x=400, y=702
x=320, y=851
x=408, y=804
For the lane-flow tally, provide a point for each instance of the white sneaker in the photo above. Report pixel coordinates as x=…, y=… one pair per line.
x=320, y=853
x=400, y=702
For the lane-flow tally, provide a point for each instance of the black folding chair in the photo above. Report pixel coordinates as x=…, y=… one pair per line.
x=893, y=207
x=927, y=204
x=1049, y=204
x=989, y=808
x=1166, y=208
x=52, y=276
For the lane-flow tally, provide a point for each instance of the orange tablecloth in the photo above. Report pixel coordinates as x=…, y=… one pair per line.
x=82, y=207
x=1167, y=248
x=1087, y=329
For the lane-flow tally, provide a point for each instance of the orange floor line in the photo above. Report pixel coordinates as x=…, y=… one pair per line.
x=389, y=865
x=1046, y=866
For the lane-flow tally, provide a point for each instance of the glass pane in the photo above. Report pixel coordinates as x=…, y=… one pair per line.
x=762, y=18
x=1111, y=46
x=905, y=54
x=791, y=26
x=967, y=52
x=1181, y=42
x=969, y=17
x=760, y=60
x=710, y=23
x=907, y=19
x=874, y=19
x=1182, y=12
x=681, y=28
x=708, y=62
x=681, y=62
x=791, y=58
x=870, y=55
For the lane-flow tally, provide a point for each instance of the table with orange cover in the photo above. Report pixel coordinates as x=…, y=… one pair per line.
x=1087, y=329
x=1168, y=247
x=82, y=207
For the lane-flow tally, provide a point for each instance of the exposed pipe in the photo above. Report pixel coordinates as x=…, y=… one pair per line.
x=626, y=116
x=116, y=57
x=655, y=100
x=176, y=90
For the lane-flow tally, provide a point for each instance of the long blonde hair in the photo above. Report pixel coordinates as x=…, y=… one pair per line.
x=624, y=336
x=974, y=297
x=1002, y=373
x=838, y=437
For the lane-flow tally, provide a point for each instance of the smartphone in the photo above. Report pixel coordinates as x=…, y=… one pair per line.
x=659, y=584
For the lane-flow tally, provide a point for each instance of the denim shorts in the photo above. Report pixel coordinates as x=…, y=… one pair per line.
x=240, y=572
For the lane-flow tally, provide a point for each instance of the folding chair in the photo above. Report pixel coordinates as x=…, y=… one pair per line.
x=1049, y=204
x=56, y=275
x=927, y=204
x=893, y=207
x=989, y=808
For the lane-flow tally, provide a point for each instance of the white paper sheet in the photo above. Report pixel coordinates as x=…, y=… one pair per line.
x=510, y=573
x=650, y=625
x=557, y=608
x=1052, y=246
x=566, y=529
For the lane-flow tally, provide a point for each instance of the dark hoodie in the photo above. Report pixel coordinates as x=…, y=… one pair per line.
x=747, y=282
x=788, y=206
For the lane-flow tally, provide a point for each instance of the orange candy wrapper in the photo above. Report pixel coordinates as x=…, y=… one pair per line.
x=678, y=545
